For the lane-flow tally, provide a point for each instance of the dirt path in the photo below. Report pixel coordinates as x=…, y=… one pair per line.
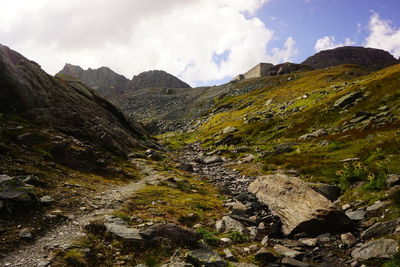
x=64, y=235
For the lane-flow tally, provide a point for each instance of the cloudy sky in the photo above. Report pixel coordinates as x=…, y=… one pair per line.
x=204, y=42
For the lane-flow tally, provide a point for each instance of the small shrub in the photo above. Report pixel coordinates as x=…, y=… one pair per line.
x=75, y=258
x=376, y=155
x=377, y=181
x=334, y=146
x=352, y=173
x=208, y=236
x=89, y=241
x=45, y=154
x=150, y=261
x=237, y=237
x=375, y=178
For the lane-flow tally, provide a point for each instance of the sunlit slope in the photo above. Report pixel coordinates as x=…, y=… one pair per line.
x=348, y=112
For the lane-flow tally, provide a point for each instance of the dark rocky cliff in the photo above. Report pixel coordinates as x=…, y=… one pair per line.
x=68, y=106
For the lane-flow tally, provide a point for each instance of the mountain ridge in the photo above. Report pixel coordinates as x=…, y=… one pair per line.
x=372, y=58
x=111, y=84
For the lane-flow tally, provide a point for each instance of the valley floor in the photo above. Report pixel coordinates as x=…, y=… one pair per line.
x=182, y=198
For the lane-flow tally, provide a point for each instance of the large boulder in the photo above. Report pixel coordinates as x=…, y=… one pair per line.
x=300, y=208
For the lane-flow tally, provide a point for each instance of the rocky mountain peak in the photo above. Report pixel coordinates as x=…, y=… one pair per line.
x=156, y=78
x=72, y=70
x=104, y=80
x=371, y=58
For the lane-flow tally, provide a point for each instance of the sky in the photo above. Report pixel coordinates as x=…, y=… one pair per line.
x=203, y=42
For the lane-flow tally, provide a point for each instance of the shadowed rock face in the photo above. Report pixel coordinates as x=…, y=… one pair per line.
x=69, y=107
x=374, y=59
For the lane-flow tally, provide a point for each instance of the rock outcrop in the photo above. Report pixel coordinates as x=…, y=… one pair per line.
x=300, y=208
x=371, y=58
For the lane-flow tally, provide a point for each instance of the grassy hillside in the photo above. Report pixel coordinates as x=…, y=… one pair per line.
x=303, y=121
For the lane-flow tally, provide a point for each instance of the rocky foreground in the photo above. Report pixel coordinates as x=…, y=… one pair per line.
x=274, y=220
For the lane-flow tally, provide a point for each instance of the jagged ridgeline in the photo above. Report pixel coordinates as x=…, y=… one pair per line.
x=110, y=84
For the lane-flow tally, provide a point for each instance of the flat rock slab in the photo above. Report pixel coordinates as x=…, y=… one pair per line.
x=347, y=99
x=356, y=215
x=300, y=208
x=380, y=248
x=205, y=257
x=380, y=229
x=212, y=160
x=120, y=228
x=287, y=252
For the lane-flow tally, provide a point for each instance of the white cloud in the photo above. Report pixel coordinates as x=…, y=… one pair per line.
x=383, y=35
x=328, y=42
x=179, y=36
